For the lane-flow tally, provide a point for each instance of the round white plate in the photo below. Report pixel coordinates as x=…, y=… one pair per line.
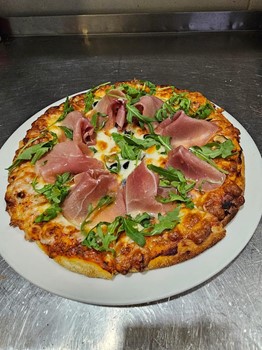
x=31, y=263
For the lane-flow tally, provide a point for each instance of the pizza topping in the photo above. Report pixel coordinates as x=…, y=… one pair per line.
x=206, y=176
x=35, y=152
x=55, y=194
x=148, y=105
x=186, y=131
x=136, y=228
x=214, y=149
x=67, y=109
x=89, y=187
x=111, y=211
x=174, y=187
x=141, y=190
x=113, y=105
x=65, y=157
x=83, y=131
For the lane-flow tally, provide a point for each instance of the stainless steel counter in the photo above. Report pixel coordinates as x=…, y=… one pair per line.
x=223, y=313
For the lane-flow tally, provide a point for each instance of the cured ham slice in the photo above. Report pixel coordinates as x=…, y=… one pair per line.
x=89, y=187
x=140, y=191
x=186, y=131
x=117, y=208
x=206, y=176
x=65, y=157
x=83, y=131
x=113, y=105
x=148, y=105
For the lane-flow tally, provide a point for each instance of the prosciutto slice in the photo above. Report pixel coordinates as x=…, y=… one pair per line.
x=186, y=131
x=117, y=208
x=89, y=187
x=65, y=157
x=113, y=105
x=206, y=176
x=140, y=191
x=148, y=105
x=83, y=131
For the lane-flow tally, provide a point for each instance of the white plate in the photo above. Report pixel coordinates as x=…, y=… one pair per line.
x=30, y=262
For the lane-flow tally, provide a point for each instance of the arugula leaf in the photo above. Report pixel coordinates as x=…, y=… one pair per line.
x=103, y=202
x=55, y=194
x=161, y=140
x=34, y=152
x=68, y=132
x=174, y=197
x=101, y=236
x=67, y=109
x=89, y=97
x=132, y=232
x=49, y=214
x=112, y=163
x=151, y=86
x=165, y=222
x=133, y=112
x=131, y=146
x=131, y=152
x=174, y=178
x=133, y=94
x=213, y=150
x=89, y=101
x=95, y=121
x=172, y=105
x=204, y=111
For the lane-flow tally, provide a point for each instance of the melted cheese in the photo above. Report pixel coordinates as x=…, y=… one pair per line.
x=106, y=146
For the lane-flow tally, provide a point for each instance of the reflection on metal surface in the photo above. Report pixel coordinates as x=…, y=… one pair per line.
x=131, y=23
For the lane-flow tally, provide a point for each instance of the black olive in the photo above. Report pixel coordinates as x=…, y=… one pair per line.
x=125, y=165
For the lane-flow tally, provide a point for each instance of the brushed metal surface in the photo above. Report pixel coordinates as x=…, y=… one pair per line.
x=223, y=313
x=131, y=23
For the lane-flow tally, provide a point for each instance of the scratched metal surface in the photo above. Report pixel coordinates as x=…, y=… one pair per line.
x=223, y=313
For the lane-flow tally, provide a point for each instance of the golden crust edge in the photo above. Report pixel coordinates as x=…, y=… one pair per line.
x=94, y=270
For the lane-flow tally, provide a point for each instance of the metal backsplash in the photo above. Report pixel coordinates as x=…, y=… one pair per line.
x=130, y=23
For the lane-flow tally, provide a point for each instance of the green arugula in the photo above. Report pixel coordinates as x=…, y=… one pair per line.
x=34, y=152
x=174, y=179
x=112, y=163
x=161, y=140
x=213, y=150
x=103, y=234
x=67, y=109
x=150, y=85
x=55, y=194
x=68, y=132
x=131, y=146
x=172, y=105
x=103, y=202
x=134, y=94
x=133, y=112
x=89, y=97
x=130, y=228
x=95, y=121
x=204, y=111
x=128, y=151
x=165, y=222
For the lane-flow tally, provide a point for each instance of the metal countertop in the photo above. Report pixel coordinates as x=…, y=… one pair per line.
x=224, y=312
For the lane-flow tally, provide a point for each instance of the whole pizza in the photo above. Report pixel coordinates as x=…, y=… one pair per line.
x=127, y=177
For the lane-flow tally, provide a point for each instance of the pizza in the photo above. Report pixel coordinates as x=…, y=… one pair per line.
x=127, y=177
